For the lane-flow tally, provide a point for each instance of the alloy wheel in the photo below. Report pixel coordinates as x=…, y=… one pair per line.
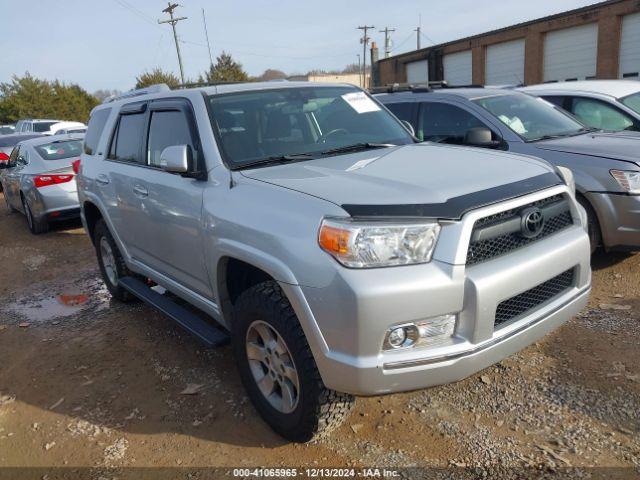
x=108, y=261
x=272, y=366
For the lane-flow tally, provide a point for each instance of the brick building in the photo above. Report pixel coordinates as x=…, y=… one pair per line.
x=597, y=41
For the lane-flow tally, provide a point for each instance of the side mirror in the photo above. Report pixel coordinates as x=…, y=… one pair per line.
x=176, y=159
x=409, y=127
x=480, y=137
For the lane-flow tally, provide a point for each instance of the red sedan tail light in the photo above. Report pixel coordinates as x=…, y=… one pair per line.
x=48, y=180
x=4, y=157
x=76, y=166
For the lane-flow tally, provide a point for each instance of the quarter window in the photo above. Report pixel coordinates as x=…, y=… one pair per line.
x=167, y=129
x=94, y=130
x=598, y=114
x=126, y=143
x=444, y=123
x=404, y=111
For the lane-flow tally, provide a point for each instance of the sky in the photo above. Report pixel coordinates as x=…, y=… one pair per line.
x=105, y=44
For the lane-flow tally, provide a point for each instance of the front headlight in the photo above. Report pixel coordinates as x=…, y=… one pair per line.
x=628, y=180
x=357, y=244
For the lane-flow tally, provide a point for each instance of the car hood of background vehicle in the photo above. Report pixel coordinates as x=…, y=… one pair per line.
x=623, y=146
x=416, y=174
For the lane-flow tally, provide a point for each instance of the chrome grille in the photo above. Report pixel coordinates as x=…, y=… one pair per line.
x=485, y=245
x=533, y=298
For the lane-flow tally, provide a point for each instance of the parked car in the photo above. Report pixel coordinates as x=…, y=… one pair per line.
x=606, y=165
x=342, y=257
x=63, y=128
x=38, y=126
x=602, y=104
x=7, y=129
x=39, y=180
x=7, y=144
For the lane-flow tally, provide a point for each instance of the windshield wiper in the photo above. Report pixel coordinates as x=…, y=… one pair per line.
x=274, y=159
x=564, y=135
x=356, y=147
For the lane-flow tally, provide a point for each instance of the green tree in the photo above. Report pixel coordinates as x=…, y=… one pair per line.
x=29, y=97
x=226, y=69
x=157, y=75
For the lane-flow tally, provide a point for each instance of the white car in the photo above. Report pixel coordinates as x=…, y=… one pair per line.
x=49, y=126
x=603, y=104
x=67, y=128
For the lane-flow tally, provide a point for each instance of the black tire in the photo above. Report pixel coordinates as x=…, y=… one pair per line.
x=593, y=225
x=101, y=233
x=318, y=410
x=36, y=226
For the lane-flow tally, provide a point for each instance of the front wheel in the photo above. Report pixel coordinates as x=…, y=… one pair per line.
x=278, y=370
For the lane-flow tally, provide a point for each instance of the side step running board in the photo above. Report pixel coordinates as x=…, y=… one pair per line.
x=208, y=334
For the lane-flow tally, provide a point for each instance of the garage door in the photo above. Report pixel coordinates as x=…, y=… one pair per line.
x=630, y=47
x=505, y=63
x=418, y=72
x=457, y=68
x=571, y=53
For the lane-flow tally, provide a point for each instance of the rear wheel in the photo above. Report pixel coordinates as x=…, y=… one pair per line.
x=278, y=370
x=111, y=263
x=593, y=225
x=36, y=226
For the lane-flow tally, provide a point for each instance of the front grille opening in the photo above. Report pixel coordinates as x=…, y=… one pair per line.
x=482, y=250
x=528, y=301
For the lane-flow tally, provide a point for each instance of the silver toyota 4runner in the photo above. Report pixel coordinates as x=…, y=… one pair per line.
x=339, y=256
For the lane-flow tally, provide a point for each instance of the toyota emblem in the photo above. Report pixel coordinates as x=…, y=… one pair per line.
x=531, y=222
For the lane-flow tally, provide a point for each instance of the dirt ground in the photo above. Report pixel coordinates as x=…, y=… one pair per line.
x=86, y=382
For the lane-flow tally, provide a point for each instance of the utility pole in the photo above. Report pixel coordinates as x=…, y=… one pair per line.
x=364, y=41
x=387, y=41
x=359, y=70
x=206, y=33
x=173, y=21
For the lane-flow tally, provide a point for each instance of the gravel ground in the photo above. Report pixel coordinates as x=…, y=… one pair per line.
x=89, y=383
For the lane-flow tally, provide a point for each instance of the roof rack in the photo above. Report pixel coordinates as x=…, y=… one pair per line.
x=157, y=88
x=420, y=87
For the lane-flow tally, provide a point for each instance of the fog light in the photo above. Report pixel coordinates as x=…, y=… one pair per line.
x=397, y=337
x=429, y=332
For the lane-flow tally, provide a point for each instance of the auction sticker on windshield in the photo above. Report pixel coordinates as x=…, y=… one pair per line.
x=360, y=102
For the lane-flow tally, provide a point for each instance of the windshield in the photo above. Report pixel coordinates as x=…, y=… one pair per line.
x=42, y=126
x=60, y=150
x=632, y=101
x=259, y=125
x=531, y=118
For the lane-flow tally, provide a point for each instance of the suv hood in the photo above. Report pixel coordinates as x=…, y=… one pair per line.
x=409, y=175
x=623, y=146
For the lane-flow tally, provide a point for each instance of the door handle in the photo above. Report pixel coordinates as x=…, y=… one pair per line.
x=140, y=191
x=102, y=179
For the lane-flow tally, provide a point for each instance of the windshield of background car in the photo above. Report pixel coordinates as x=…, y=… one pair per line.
x=60, y=150
x=291, y=121
x=632, y=101
x=531, y=118
x=42, y=126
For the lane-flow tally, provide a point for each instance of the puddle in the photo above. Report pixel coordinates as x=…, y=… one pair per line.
x=85, y=295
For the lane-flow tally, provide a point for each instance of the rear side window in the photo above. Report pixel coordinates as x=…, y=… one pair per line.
x=125, y=146
x=60, y=150
x=95, y=129
x=598, y=114
x=168, y=128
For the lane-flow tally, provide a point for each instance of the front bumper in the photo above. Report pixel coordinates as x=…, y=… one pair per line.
x=346, y=321
x=619, y=217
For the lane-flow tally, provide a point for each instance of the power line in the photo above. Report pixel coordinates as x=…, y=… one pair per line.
x=140, y=14
x=172, y=21
x=266, y=55
x=206, y=33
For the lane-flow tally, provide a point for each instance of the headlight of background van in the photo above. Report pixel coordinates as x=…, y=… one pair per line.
x=358, y=244
x=628, y=180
